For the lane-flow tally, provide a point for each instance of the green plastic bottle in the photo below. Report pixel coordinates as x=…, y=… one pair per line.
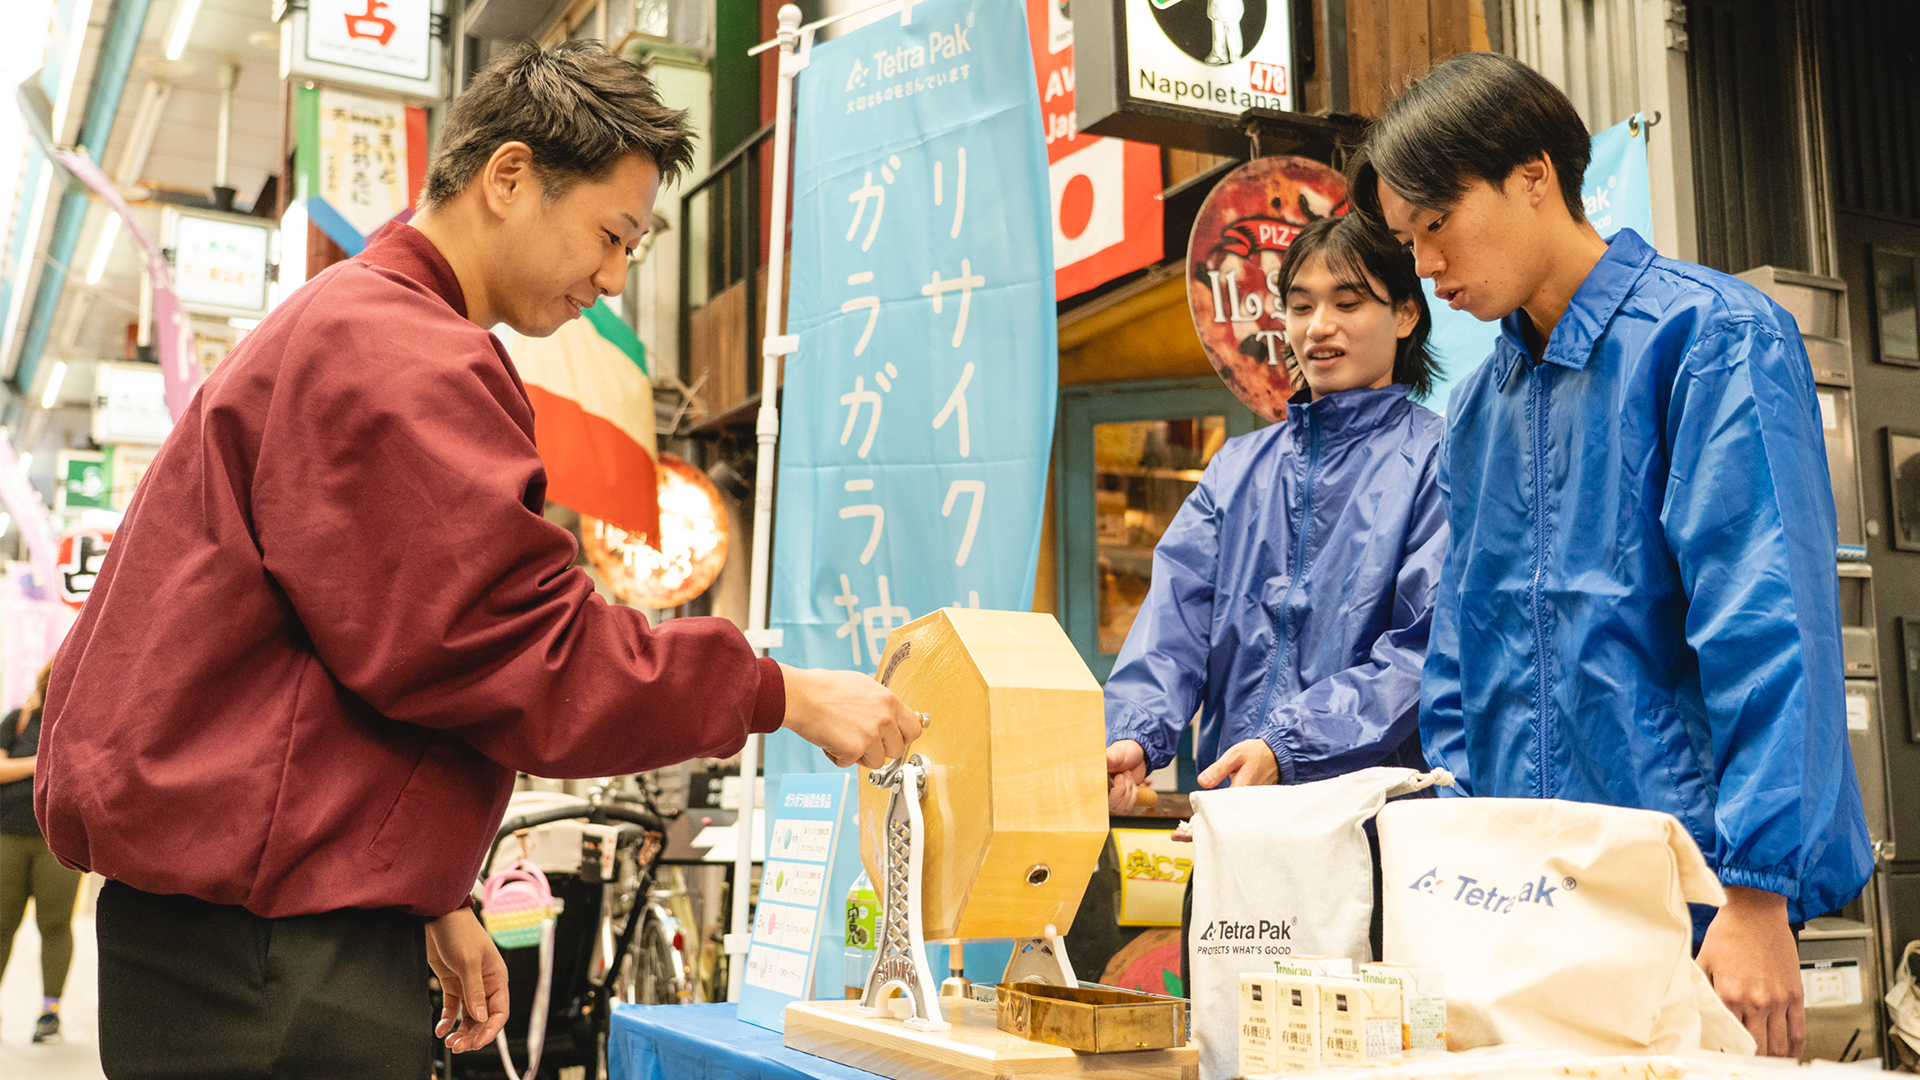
x=863, y=907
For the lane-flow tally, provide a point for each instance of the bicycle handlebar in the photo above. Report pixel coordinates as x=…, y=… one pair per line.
x=596, y=814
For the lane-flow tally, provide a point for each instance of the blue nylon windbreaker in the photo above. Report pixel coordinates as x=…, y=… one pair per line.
x=1640, y=606
x=1310, y=638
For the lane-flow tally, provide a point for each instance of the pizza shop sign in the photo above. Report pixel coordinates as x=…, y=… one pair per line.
x=1242, y=232
x=1159, y=70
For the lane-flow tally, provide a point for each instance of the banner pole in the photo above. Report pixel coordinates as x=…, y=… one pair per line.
x=767, y=436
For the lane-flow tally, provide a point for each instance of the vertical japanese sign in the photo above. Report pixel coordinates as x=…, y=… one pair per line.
x=362, y=160
x=919, y=410
x=1106, y=192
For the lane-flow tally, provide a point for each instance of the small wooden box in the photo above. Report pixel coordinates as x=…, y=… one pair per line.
x=1093, y=1021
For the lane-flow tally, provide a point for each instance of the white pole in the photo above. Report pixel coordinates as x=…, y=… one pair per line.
x=767, y=435
x=223, y=139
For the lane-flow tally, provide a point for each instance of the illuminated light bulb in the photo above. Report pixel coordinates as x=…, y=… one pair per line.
x=691, y=550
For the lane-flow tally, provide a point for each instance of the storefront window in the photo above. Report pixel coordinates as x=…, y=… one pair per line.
x=1143, y=472
x=1130, y=454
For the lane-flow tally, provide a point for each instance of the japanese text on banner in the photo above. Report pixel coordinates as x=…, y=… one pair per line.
x=919, y=411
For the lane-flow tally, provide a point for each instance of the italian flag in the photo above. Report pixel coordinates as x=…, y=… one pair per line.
x=593, y=419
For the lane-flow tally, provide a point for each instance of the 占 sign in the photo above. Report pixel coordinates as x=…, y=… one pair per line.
x=380, y=44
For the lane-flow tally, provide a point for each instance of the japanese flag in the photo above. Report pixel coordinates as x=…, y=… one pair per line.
x=1089, y=201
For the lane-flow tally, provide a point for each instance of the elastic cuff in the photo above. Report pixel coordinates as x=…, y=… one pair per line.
x=1148, y=745
x=1784, y=884
x=770, y=704
x=1282, y=756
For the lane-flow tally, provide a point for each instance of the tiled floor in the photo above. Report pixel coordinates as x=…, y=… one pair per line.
x=78, y=1057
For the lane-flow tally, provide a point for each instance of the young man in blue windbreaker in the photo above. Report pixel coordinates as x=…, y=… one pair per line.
x=1639, y=606
x=1291, y=595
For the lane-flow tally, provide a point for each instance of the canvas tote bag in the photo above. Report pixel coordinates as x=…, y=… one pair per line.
x=1277, y=871
x=1559, y=924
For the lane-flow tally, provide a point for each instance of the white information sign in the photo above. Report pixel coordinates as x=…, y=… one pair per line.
x=130, y=404
x=220, y=263
x=377, y=44
x=387, y=37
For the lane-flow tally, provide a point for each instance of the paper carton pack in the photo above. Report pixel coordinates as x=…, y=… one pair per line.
x=1297, y=1021
x=1423, y=1003
x=1359, y=1021
x=1259, y=1020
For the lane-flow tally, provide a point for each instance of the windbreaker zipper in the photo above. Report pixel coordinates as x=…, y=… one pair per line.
x=1282, y=624
x=1543, y=785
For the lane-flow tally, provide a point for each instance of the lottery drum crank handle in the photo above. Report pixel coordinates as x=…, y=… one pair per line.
x=884, y=775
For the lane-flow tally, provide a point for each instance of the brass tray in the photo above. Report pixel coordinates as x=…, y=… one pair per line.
x=1095, y=1021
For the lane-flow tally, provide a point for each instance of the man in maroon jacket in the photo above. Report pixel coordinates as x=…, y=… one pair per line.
x=334, y=624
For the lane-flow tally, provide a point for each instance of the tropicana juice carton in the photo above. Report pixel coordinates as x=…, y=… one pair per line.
x=1423, y=1003
x=1359, y=1021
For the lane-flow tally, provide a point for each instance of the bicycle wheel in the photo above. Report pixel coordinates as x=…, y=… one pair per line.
x=651, y=972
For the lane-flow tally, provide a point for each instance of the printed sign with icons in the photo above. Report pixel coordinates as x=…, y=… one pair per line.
x=793, y=894
x=83, y=480
x=219, y=261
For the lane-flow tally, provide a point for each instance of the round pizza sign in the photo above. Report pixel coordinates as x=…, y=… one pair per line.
x=1233, y=263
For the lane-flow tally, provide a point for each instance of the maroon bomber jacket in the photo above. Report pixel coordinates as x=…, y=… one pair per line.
x=334, y=624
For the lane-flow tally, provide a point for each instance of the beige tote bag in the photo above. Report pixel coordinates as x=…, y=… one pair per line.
x=1559, y=924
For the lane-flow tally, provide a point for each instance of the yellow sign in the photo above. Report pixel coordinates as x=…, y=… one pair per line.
x=1154, y=869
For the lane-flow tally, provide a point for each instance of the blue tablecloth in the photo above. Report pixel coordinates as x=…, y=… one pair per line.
x=705, y=1042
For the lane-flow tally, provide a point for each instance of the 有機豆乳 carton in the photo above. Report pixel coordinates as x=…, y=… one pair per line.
x=1423, y=1003
x=1297, y=1021
x=1259, y=999
x=1280, y=1022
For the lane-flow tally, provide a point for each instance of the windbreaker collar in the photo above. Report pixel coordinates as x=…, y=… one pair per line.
x=1592, y=307
x=1349, y=412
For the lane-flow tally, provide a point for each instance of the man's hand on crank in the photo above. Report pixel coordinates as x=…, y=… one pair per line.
x=849, y=715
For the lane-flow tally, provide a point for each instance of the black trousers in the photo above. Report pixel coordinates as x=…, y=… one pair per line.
x=192, y=989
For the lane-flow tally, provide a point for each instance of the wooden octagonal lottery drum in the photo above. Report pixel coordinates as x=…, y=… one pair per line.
x=1016, y=797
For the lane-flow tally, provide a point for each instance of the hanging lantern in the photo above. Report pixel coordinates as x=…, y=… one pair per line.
x=693, y=542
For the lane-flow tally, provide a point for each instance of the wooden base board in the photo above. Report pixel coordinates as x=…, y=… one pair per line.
x=974, y=1048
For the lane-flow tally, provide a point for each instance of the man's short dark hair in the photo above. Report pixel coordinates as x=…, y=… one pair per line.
x=1355, y=246
x=578, y=106
x=1476, y=116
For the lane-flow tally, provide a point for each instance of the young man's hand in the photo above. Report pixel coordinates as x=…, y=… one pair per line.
x=473, y=981
x=849, y=715
x=1247, y=762
x=1126, y=773
x=1750, y=956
